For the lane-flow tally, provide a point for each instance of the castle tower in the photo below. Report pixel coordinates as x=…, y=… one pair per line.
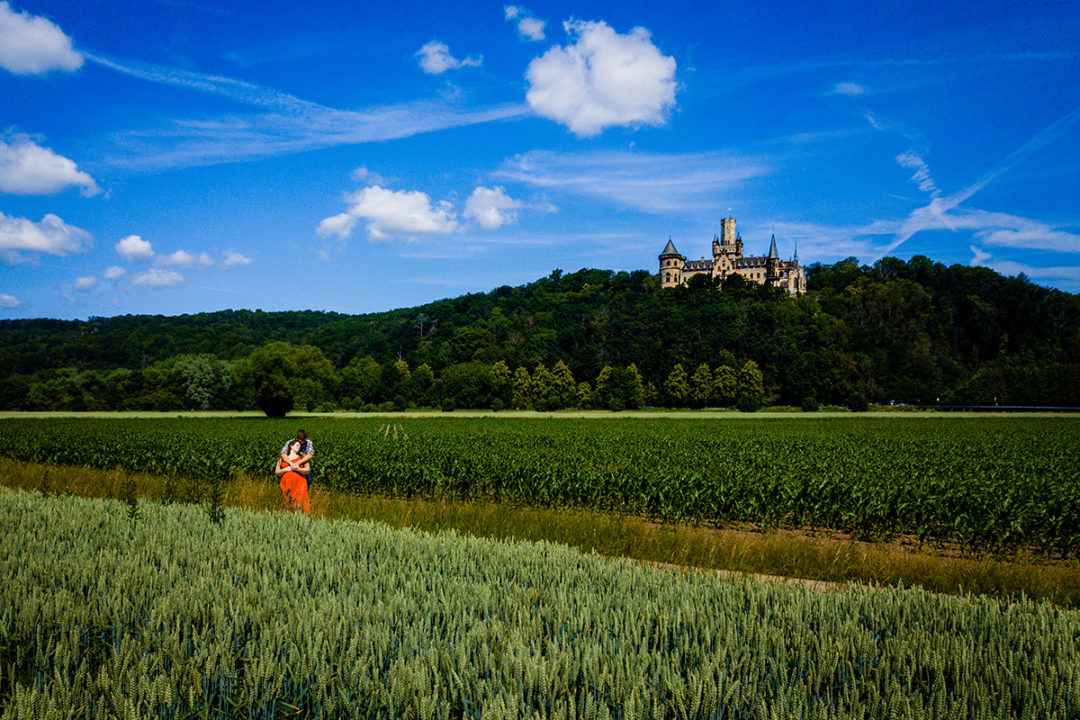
x=728, y=239
x=671, y=266
x=772, y=264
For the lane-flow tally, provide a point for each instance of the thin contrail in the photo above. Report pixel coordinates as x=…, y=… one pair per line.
x=939, y=206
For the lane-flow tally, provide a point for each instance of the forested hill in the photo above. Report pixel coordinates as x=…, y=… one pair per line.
x=913, y=331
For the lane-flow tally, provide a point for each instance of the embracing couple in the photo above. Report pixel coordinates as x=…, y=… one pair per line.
x=294, y=469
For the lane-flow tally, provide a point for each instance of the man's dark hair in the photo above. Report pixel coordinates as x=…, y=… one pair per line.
x=301, y=435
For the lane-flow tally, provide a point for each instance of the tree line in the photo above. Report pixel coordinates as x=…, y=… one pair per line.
x=910, y=331
x=280, y=377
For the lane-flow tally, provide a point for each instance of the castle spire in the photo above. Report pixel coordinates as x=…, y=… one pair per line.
x=773, y=255
x=669, y=249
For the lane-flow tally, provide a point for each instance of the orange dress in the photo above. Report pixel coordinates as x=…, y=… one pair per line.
x=294, y=487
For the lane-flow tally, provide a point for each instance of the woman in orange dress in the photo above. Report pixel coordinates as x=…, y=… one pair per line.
x=293, y=481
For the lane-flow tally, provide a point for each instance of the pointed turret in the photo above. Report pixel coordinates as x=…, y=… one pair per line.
x=671, y=265
x=669, y=249
x=773, y=255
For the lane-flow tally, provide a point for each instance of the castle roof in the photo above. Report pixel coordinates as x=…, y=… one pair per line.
x=773, y=255
x=669, y=249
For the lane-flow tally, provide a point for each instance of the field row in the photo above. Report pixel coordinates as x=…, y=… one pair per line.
x=271, y=615
x=988, y=484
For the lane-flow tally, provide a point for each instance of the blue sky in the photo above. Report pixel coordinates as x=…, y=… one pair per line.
x=172, y=157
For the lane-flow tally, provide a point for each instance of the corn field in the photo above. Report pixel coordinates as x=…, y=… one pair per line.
x=984, y=484
x=273, y=615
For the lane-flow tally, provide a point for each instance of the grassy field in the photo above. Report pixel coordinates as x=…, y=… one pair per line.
x=114, y=611
x=785, y=554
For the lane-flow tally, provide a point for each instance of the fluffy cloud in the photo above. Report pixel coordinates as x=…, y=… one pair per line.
x=491, y=208
x=85, y=283
x=234, y=259
x=134, y=247
x=182, y=258
x=114, y=272
x=26, y=168
x=435, y=58
x=369, y=177
x=392, y=212
x=156, y=277
x=341, y=225
x=51, y=235
x=603, y=79
x=530, y=27
x=31, y=45
x=9, y=301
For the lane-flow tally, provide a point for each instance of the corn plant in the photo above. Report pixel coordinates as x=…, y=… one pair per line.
x=994, y=485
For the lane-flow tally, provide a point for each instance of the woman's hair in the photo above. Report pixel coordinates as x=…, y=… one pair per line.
x=295, y=441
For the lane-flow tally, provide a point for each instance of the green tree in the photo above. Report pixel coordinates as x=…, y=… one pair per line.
x=523, y=392
x=751, y=388
x=361, y=381
x=420, y=384
x=278, y=375
x=632, y=387
x=677, y=387
x=542, y=389
x=601, y=397
x=725, y=386
x=583, y=397
x=563, y=387
x=206, y=380
x=701, y=386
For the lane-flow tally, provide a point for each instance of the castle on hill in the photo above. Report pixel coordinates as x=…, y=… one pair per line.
x=727, y=259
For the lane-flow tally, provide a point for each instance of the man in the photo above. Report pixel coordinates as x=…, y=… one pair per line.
x=307, y=451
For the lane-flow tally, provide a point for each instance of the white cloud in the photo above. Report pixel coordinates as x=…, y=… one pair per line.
x=51, y=235
x=491, y=208
x=156, y=277
x=531, y=28
x=435, y=58
x=341, y=225
x=234, y=259
x=134, y=247
x=922, y=172
x=1062, y=274
x=26, y=168
x=114, y=272
x=182, y=258
x=643, y=181
x=362, y=174
x=85, y=283
x=603, y=79
x=32, y=45
x=848, y=88
x=939, y=209
x=282, y=123
x=10, y=301
x=1012, y=231
x=392, y=212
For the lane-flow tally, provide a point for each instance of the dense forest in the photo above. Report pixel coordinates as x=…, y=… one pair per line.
x=915, y=332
